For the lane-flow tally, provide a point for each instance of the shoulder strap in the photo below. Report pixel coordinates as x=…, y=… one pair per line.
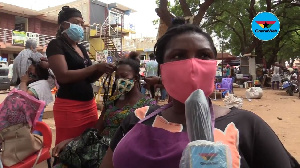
x=156, y=112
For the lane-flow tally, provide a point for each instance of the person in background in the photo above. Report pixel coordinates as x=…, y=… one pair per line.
x=235, y=70
x=232, y=74
x=35, y=83
x=21, y=62
x=276, y=76
x=10, y=69
x=151, y=70
x=228, y=71
x=156, y=136
x=74, y=108
x=294, y=74
x=125, y=100
x=163, y=93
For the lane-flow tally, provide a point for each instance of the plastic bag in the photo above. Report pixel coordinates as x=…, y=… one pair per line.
x=231, y=101
x=254, y=93
x=206, y=154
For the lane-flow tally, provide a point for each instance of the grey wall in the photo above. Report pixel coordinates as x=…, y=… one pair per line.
x=98, y=12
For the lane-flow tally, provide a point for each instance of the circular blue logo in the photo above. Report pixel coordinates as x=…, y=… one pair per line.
x=265, y=26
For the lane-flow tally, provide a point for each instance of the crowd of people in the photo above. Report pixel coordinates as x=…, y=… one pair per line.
x=132, y=130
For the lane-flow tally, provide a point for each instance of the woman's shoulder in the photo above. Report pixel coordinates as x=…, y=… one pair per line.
x=243, y=120
x=39, y=82
x=54, y=47
x=56, y=42
x=142, y=112
x=239, y=114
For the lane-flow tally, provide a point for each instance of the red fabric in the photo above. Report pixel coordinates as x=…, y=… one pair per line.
x=45, y=154
x=73, y=117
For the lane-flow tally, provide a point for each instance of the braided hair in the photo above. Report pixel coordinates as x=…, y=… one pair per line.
x=178, y=27
x=134, y=62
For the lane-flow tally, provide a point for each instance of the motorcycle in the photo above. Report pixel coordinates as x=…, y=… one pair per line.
x=291, y=87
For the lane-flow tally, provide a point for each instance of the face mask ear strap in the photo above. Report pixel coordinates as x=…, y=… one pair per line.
x=62, y=26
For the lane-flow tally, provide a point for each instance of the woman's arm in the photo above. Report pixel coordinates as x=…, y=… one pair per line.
x=59, y=66
x=107, y=161
x=23, y=85
x=94, y=77
x=152, y=80
x=100, y=123
x=59, y=147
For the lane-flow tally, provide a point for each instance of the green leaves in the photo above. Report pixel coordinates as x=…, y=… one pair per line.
x=231, y=20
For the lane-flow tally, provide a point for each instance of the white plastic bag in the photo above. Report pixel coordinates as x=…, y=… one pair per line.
x=231, y=101
x=254, y=93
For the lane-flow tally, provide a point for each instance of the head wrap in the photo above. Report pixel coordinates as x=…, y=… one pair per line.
x=66, y=13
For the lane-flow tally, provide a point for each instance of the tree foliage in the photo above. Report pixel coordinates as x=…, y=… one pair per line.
x=184, y=8
x=231, y=19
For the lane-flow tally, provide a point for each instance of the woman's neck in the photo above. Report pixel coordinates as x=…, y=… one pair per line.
x=71, y=42
x=131, y=98
x=176, y=113
x=134, y=92
x=178, y=108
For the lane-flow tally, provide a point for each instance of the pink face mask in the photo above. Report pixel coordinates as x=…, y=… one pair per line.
x=181, y=78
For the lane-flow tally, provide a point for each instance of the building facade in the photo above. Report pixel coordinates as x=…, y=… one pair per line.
x=18, y=24
x=105, y=29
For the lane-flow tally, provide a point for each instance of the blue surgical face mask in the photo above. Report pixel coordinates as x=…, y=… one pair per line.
x=75, y=32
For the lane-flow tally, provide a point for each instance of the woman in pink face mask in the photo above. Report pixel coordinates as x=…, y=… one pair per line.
x=156, y=137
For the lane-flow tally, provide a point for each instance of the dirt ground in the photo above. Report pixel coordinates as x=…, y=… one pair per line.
x=280, y=111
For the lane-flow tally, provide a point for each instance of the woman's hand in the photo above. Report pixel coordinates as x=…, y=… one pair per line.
x=44, y=62
x=105, y=68
x=59, y=147
x=25, y=78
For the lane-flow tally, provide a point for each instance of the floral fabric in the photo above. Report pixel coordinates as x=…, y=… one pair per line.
x=114, y=116
x=20, y=107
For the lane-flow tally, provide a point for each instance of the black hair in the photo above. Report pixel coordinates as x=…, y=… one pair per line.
x=134, y=55
x=178, y=27
x=65, y=14
x=134, y=62
x=152, y=56
x=42, y=73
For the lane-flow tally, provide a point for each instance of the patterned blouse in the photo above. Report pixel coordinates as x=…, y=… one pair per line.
x=114, y=116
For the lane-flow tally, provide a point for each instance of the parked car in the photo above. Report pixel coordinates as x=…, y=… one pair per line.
x=4, y=80
x=3, y=64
